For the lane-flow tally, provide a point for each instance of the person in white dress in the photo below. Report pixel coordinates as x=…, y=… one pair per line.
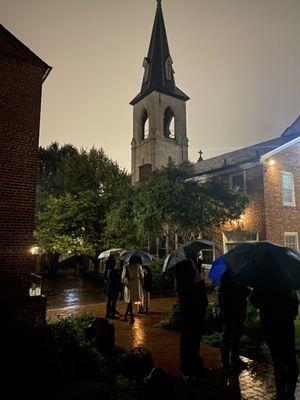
x=132, y=276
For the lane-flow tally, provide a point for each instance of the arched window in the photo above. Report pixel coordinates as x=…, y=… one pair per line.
x=145, y=125
x=169, y=124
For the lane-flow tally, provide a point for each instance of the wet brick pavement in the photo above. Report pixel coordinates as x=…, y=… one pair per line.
x=255, y=382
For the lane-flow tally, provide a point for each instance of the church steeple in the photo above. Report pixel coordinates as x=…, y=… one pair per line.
x=159, y=73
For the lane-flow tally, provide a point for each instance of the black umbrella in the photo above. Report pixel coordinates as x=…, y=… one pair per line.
x=144, y=256
x=265, y=265
x=185, y=251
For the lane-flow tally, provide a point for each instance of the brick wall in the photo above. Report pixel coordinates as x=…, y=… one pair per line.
x=254, y=217
x=20, y=101
x=280, y=218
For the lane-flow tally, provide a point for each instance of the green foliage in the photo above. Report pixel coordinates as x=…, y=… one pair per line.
x=214, y=339
x=173, y=321
x=160, y=280
x=138, y=363
x=170, y=199
x=213, y=321
x=83, y=188
x=65, y=364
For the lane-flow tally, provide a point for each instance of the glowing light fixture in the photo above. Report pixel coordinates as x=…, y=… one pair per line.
x=271, y=162
x=34, y=250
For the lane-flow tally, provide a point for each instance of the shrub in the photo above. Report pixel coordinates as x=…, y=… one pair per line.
x=173, y=320
x=160, y=280
x=214, y=339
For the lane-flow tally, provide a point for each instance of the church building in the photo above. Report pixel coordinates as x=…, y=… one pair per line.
x=268, y=172
x=159, y=110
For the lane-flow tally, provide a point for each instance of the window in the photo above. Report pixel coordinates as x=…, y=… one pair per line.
x=145, y=125
x=146, y=65
x=291, y=240
x=168, y=68
x=169, y=124
x=238, y=181
x=162, y=246
x=232, y=238
x=145, y=172
x=288, y=193
x=208, y=256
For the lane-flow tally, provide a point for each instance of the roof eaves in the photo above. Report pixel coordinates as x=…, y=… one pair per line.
x=228, y=169
x=278, y=149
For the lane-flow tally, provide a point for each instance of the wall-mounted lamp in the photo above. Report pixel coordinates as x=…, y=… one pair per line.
x=34, y=250
x=271, y=162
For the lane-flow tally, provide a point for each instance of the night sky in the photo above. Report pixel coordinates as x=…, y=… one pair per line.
x=238, y=60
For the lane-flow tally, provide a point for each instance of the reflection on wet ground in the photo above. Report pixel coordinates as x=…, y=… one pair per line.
x=255, y=382
x=72, y=294
x=69, y=290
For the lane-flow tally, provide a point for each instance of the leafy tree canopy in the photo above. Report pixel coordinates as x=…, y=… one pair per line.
x=84, y=185
x=170, y=199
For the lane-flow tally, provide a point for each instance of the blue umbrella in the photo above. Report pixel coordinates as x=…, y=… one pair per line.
x=217, y=270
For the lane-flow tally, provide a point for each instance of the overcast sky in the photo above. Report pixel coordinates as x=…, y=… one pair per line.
x=238, y=60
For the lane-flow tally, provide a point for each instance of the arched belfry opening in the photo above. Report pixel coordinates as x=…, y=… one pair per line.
x=159, y=110
x=145, y=125
x=169, y=124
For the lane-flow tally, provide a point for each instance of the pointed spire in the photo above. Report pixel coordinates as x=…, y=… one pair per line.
x=159, y=73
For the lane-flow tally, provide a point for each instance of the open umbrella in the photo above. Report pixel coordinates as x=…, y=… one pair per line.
x=127, y=254
x=217, y=270
x=185, y=251
x=107, y=253
x=265, y=265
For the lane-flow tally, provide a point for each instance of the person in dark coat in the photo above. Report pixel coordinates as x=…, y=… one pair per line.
x=233, y=308
x=192, y=296
x=278, y=311
x=113, y=287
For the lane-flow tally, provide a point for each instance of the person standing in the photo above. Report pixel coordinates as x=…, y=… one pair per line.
x=113, y=287
x=233, y=307
x=193, y=300
x=132, y=276
x=146, y=289
x=278, y=310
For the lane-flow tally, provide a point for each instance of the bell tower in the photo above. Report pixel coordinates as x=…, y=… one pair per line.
x=159, y=110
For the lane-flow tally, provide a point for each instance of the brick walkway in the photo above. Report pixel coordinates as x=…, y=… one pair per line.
x=255, y=382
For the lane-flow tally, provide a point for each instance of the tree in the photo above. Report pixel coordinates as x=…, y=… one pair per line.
x=85, y=186
x=170, y=199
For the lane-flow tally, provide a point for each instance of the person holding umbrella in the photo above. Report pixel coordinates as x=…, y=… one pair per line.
x=132, y=276
x=113, y=287
x=192, y=296
x=278, y=310
x=191, y=291
x=232, y=299
x=273, y=272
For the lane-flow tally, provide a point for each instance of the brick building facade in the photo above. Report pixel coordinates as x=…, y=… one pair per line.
x=22, y=74
x=269, y=174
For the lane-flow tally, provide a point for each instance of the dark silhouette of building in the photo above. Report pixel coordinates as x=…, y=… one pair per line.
x=22, y=74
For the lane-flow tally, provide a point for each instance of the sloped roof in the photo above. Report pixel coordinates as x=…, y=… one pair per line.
x=158, y=56
x=12, y=47
x=235, y=158
x=294, y=128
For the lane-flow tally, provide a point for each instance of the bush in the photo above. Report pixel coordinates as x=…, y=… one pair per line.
x=213, y=320
x=173, y=321
x=65, y=364
x=214, y=339
x=160, y=280
x=138, y=363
